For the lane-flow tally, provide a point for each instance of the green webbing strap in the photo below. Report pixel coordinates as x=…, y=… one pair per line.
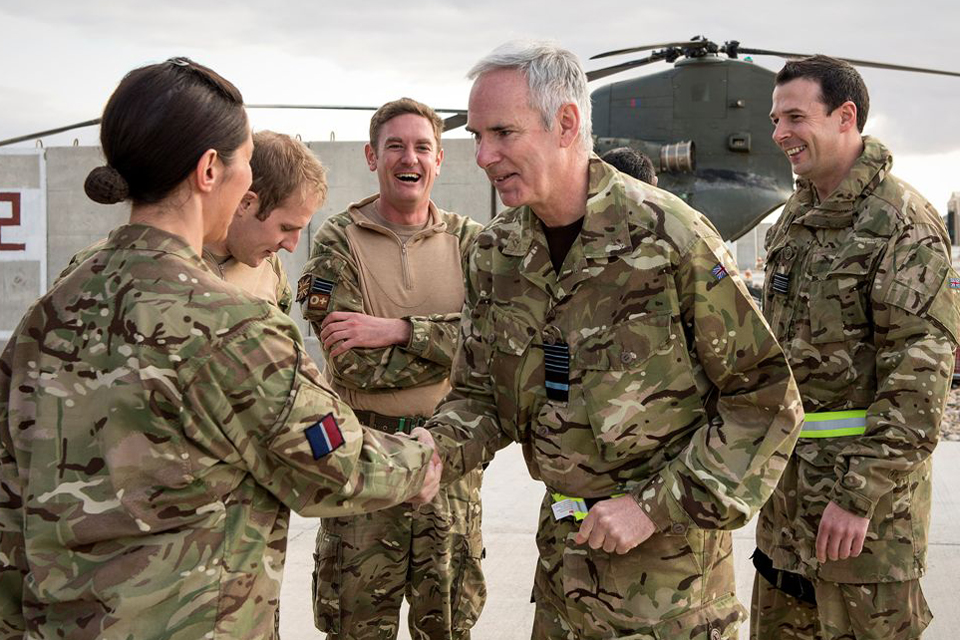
x=834, y=424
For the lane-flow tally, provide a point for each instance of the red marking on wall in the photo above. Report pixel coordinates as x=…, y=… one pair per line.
x=13, y=221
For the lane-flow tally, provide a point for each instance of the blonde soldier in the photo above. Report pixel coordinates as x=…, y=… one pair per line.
x=157, y=424
x=383, y=290
x=860, y=292
x=606, y=330
x=289, y=185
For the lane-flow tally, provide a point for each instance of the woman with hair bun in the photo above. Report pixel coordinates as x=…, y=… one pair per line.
x=157, y=423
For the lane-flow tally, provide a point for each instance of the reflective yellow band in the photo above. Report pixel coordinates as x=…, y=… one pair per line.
x=834, y=424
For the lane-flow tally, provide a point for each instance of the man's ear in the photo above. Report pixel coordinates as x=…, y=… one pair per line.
x=208, y=171
x=249, y=204
x=568, y=117
x=371, y=156
x=848, y=116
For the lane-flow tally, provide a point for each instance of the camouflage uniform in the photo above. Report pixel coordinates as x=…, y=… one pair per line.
x=364, y=565
x=865, y=309
x=267, y=281
x=678, y=395
x=156, y=426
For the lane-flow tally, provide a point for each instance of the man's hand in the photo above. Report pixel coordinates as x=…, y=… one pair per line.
x=431, y=483
x=617, y=524
x=351, y=329
x=841, y=534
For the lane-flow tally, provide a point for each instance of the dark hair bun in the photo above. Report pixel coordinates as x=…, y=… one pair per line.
x=106, y=186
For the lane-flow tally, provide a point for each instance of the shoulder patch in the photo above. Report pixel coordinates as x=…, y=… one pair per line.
x=316, y=291
x=324, y=436
x=719, y=272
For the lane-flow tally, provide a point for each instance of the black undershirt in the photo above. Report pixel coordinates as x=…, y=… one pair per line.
x=560, y=239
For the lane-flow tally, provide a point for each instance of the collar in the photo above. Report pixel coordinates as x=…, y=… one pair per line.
x=435, y=223
x=839, y=208
x=143, y=237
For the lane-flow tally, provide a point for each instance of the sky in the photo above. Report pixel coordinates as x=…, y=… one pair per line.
x=61, y=59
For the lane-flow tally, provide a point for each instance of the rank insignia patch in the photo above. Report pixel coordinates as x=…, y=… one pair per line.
x=719, y=272
x=324, y=436
x=317, y=292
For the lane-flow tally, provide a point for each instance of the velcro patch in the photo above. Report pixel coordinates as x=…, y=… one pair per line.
x=324, y=436
x=719, y=272
x=303, y=287
x=955, y=283
x=316, y=291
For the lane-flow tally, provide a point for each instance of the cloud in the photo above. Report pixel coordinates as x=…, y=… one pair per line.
x=366, y=51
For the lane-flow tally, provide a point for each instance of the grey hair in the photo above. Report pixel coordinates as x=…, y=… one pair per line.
x=554, y=76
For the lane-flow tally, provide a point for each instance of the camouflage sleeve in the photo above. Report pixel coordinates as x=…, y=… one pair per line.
x=733, y=462
x=916, y=327
x=284, y=292
x=13, y=562
x=466, y=425
x=259, y=403
x=330, y=282
x=434, y=337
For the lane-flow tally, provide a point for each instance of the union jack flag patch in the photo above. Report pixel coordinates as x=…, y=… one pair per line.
x=719, y=272
x=324, y=436
x=955, y=283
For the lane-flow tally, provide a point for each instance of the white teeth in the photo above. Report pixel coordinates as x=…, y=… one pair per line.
x=408, y=176
x=795, y=150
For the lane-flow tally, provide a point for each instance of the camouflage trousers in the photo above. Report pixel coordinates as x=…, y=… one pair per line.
x=881, y=611
x=366, y=564
x=677, y=585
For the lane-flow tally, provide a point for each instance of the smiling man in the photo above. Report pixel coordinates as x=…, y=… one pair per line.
x=383, y=291
x=605, y=329
x=860, y=292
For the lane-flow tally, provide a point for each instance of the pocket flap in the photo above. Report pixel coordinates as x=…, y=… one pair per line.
x=625, y=346
x=511, y=335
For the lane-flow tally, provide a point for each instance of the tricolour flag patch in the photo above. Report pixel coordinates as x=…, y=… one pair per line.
x=324, y=436
x=719, y=272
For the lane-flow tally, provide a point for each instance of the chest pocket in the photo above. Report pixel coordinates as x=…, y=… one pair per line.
x=638, y=387
x=510, y=338
x=840, y=290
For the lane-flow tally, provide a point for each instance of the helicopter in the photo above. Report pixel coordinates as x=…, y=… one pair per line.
x=704, y=122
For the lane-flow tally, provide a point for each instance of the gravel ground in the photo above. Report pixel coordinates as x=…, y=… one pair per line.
x=950, y=426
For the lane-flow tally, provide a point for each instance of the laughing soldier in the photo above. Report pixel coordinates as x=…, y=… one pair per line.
x=383, y=290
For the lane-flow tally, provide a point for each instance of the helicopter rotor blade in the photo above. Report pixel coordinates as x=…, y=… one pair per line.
x=330, y=107
x=648, y=47
x=596, y=74
x=853, y=61
x=50, y=132
x=455, y=121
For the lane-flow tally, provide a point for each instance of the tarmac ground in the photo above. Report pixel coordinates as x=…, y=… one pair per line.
x=511, y=501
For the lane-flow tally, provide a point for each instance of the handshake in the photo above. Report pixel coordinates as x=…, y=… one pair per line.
x=431, y=482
